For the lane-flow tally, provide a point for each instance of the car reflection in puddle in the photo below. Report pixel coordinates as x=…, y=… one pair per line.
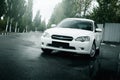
x=81, y=65
x=88, y=67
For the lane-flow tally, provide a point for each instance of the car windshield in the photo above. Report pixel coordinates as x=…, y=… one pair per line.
x=76, y=24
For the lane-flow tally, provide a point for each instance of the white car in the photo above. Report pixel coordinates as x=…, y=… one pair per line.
x=72, y=35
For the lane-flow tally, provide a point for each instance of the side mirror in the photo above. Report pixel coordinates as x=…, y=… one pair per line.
x=53, y=25
x=98, y=30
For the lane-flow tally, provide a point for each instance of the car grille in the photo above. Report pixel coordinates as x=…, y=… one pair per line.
x=60, y=37
x=61, y=45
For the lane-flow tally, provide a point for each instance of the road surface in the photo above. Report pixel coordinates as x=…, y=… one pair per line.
x=22, y=59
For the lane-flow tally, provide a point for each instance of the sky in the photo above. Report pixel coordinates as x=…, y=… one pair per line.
x=46, y=8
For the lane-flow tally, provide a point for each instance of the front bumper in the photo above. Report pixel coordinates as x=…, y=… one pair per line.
x=69, y=46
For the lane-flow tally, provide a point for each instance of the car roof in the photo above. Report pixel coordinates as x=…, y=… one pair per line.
x=82, y=19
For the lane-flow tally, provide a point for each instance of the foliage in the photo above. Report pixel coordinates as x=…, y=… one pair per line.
x=68, y=9
x=2, y=24
x=37, y=20
x=107, y=11
x=39, y=24
x=2, y=7
x=28, y=15
x=57, y=15
x=82, y=7
x=43, y=26
x=2, y=12
x=15, y=11
x=18, y=13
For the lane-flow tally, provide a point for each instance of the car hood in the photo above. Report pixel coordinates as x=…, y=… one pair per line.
x=69, y=32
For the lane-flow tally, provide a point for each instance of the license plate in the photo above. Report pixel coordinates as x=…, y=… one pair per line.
x=60, y=44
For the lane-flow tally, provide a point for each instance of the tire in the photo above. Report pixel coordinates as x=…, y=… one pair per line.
x=46, y=51
x=98, y=51
x=92, y=51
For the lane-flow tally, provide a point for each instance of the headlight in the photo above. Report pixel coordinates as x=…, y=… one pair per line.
x=45, y=34
x=83, y=38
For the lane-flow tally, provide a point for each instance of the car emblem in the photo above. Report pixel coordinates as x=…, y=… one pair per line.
x=61, y=37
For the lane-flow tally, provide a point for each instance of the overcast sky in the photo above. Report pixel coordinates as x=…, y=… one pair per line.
x=46, y=7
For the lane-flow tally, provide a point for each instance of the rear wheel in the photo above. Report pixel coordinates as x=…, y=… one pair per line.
x=46, y=50
x=93, y=51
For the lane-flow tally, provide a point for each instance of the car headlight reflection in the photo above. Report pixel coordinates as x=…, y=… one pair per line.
x=46, y=35
x=83, y=38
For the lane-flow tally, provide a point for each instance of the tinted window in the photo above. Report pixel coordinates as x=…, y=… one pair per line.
x=76, y=24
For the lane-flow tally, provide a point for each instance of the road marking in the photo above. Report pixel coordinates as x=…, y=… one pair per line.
x=113, y=45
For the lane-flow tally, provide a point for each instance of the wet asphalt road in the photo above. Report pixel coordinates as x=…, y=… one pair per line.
x=22, y=59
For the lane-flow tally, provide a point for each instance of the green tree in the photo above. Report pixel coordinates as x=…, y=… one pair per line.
x=57, y=15
x=43, y=25
x=61, y=11
x=69, y=9
x=2, y=13
x=37, y=21
x=15, y=11
x=2, y=7
x=28, y=15
x=107, y=11
x=2, y=25
x=81, y=7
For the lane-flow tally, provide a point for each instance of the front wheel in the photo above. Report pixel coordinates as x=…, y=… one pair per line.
x=46, y=50
x=93, y=51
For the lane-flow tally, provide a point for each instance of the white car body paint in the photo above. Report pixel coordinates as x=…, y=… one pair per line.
x=74, y=33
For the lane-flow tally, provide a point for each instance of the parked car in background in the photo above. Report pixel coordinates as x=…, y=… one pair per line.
x=72, y=35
